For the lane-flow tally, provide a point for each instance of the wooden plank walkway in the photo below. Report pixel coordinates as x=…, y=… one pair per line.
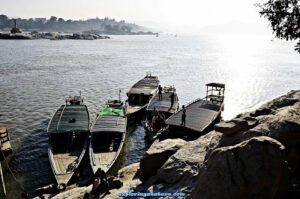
x=199, y=115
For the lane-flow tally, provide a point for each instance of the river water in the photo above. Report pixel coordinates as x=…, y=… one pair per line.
x=37, y=75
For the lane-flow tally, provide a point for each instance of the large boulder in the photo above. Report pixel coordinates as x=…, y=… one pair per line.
x=178, y=174
x=255, y=168
x=157, y=155
x=285, y=125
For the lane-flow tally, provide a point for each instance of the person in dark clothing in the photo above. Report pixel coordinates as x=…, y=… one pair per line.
x=183, y=116
x=172, y=96
x=155, y=114
x=100, y=183
x=159, y=92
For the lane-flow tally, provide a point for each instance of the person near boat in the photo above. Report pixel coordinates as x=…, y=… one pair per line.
x=183, y=116
x=154, y=117
x=159, y=92
x=172, y=96
x=100, y=183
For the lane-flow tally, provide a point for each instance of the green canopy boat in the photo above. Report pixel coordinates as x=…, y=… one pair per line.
x=108, y=135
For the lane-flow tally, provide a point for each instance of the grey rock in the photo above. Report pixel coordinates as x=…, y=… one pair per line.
x=252, y=169
x=234, y=126
x=157, y=155
x=178, y=174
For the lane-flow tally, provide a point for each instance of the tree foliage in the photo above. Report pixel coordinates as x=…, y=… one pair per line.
x=284, y=17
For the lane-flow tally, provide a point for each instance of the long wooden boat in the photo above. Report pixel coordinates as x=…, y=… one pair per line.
x=68, y=132
x=164, y=109
x=139, y=96
x=200, y=114
x=108, y=135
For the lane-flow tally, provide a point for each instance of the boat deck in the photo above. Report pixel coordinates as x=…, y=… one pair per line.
x=63, y=160
x=164, y=104
x=199, y=115
x=109, y=124
x=104, y=159
x=70, y=118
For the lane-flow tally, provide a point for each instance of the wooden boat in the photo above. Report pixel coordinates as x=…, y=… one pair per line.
x=200, y=114
x=139, y=96
x=68, y=133
x=108, y=135
x=163, y=106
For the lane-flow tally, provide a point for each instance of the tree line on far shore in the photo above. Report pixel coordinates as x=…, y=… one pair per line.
x=55, y=24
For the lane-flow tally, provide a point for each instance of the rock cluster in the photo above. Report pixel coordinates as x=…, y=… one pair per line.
x=52, y=36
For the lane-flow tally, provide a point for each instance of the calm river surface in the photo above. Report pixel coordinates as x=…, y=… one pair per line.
x=36, y=76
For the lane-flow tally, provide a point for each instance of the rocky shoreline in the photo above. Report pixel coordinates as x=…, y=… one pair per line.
x=52, y=36
x=255, y=155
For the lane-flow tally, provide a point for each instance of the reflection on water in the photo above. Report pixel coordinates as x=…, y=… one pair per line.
x=36, y=76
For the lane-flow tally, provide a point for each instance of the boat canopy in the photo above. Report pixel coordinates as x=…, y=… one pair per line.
x=220, y=85
x=109, y=111
x=147, y=86
x=215, y=92
x=107, y=123
x=70, y=118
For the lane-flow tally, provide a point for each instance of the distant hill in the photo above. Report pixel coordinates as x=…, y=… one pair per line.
x=54, y=24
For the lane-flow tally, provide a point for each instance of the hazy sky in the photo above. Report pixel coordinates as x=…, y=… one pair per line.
x=173, y=13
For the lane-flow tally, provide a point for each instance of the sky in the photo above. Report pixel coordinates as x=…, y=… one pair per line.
x=194, y=14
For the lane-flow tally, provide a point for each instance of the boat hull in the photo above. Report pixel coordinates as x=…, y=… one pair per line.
x=59, y=160
x=135, y=116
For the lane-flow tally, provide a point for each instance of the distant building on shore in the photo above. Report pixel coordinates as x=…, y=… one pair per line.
x=43, y=20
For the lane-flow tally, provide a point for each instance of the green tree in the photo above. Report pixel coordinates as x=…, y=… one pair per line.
x=284, y=17
x=3, y=21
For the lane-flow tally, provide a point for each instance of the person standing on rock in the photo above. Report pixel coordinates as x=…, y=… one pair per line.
x=183, y=116
x=159, y=92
